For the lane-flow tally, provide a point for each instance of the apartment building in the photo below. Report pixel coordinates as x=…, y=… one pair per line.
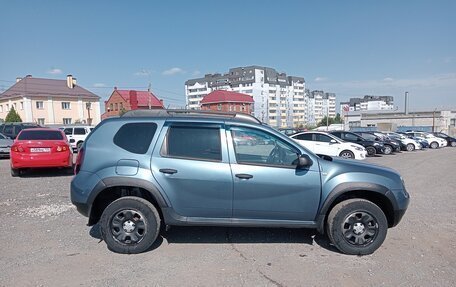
x=50, y=101
x=319, y=105
x=279, y=100
x=368, y=103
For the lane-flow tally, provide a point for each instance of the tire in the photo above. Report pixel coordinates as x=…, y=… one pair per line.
x=346, y=226
x=434, y=145
x=388, y=149
x=15, y=172
x=371, y=151
x=453, y=144
x=347, y=154
x=410, y=147
x=130, y=225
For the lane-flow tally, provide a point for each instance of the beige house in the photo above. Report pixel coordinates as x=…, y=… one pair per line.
x=51, y=102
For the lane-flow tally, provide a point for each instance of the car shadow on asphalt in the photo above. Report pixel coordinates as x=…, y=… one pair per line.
x=44, y=172
x=234, y=235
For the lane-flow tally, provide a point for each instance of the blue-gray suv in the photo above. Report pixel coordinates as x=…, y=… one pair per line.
x=153, y=168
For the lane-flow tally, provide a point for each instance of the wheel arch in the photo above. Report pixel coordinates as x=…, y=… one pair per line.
x=378, y=194
x=116, y=187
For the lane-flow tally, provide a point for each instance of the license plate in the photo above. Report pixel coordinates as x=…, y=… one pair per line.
x=40, y=149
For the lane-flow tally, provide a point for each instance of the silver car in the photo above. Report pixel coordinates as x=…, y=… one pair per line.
x=5, y=146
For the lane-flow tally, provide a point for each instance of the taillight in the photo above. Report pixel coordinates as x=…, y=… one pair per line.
x=17, y=149
x=62, y=148
x=79, y=161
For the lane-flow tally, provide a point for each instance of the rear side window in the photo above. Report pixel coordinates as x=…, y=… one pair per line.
x=135, y=137
x=8, y=130
x=68, y=131
x=194, y=142
x=40, y=135
x=79, y=131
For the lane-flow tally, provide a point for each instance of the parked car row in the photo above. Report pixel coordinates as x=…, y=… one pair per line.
x=361, y=144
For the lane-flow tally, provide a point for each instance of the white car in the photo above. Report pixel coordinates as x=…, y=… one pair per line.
x=76, y=135
x=410, y=144
x=327, y=144
x=433, y=141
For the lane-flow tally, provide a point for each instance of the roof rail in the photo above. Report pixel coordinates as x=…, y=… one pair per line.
x=176, y=113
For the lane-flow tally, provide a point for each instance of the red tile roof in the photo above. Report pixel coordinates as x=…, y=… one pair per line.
x=144, y=97
x=221, y=96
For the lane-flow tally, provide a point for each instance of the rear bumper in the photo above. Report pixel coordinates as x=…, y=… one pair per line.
x=64, y=159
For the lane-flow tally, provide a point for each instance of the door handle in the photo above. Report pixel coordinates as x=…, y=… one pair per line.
x=168, y=170
x=244, y=176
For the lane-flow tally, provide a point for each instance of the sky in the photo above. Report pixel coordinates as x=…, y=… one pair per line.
x=351, y=48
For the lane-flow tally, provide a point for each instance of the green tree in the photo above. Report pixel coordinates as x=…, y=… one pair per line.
x=122, y=111
x=336, y=120
x=13, y=116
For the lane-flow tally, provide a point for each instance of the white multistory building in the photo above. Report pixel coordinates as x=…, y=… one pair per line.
x=368, y=103
x=279, y=100
x=320, y=105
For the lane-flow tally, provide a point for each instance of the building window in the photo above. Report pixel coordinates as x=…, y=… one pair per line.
x=40, y=121
x=66, y=106
x=117, y=106
x=67, y=121
x=22, y=105
x=1, y=108
x=111, y=107
x=121, y=106
x=7, y=107
x=219, y=107
x=39, y=105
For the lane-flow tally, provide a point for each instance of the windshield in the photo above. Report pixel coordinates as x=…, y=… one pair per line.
x=40, y=135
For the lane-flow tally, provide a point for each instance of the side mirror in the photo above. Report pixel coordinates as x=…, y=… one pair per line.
x=304, y=161
x=359, y=140
x=333, y=142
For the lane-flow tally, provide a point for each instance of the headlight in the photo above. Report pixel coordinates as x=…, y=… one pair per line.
x=357, y=148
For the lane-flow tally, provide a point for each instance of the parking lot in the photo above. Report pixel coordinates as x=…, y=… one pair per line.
x=45, y=242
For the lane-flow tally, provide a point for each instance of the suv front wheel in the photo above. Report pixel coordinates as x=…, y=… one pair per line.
x=130, y=225
x=357, y=226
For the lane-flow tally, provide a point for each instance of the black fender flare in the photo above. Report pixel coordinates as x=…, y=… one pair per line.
x=126, y=181
x=349, y=187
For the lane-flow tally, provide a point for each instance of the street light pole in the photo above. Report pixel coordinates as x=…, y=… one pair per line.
x=88, y=106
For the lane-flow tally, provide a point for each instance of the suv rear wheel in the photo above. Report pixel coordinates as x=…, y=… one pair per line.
x=357, y=226
x=130, y=225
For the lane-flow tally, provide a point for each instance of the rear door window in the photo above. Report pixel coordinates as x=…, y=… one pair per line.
x=201, y=143
x=135, y=137
x=303, y=137
x=79, y=131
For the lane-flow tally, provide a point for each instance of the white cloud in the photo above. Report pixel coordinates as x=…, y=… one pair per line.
x=143, y=73
x=173, y=71
x=99, y=85
x=320, y=79
x=388, y=79
x=54, y=71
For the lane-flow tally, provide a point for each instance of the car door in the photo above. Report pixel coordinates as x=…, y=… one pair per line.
x=192, y=168
x=306, y=140
x=267, y=184
x=324, y=144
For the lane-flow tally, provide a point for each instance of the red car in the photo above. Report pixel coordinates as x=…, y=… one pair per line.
x=40, y=147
